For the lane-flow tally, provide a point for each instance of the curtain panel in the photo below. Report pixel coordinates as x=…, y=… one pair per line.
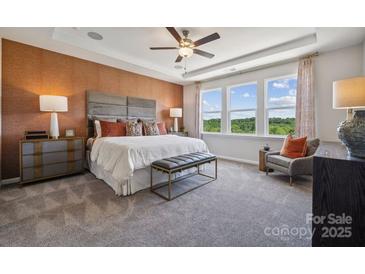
x=305, y=105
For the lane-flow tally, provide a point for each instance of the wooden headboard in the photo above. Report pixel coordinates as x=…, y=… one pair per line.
x=102, y=105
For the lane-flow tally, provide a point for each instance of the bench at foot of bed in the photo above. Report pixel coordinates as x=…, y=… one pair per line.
x=179, y=163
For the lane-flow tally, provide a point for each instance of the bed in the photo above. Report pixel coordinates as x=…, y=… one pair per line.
x=124, y=162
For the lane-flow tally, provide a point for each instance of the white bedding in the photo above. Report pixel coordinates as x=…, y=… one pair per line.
x=121, y=156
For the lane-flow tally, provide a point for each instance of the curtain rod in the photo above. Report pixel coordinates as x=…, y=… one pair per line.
x=274, y=64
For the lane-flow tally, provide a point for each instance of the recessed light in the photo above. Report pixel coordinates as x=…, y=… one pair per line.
x=95, y=35
x=232, y=69
x=178, y=67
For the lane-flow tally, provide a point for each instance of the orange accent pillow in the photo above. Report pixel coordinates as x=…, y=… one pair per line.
x=294, y=147
x=112, y=129
x=162, y=128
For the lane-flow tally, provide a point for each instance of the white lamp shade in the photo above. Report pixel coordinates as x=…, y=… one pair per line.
x=349, y=93
x=175, y=112
x=53, y=103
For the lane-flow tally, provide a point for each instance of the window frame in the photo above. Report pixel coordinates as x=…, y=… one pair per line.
x=267, y=108
x=229, y=109
x=214, y=111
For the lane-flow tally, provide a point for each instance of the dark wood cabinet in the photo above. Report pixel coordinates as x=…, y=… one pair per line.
x=338, y=197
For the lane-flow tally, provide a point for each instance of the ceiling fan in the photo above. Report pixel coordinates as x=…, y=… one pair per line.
x=187, y=47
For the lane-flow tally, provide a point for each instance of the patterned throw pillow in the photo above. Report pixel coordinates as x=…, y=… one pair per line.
x=133, y=128
x=150, y=128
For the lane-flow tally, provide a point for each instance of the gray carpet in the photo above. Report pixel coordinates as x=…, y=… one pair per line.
x=242, y=208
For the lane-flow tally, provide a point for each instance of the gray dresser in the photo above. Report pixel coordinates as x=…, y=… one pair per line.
x=43, y=159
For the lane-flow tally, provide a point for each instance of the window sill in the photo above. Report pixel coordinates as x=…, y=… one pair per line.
x=244, y=136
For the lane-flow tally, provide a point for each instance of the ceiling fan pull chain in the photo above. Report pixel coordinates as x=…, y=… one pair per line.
x=185, y=66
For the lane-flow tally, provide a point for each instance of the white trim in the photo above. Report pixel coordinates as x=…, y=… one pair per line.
x=244, y=161
x=210, y=89
x=241, y=84
x=10, y=181
x=224, y=120
x=245, y=136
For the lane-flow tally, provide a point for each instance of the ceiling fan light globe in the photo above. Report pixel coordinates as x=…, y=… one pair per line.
x=186, y=52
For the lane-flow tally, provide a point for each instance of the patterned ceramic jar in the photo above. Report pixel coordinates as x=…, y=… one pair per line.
x=352, y=134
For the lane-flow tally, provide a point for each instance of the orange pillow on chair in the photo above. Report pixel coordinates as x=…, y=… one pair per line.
x=294, y=147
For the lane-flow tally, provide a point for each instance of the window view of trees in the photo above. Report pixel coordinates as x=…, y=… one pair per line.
x=212, y=125
x=212, y=110
x=241, y=110
x=281, y=101
x=281, y=126
x=247, y=125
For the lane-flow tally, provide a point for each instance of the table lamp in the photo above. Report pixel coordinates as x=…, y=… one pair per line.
x=53, y=104
x=176, y=113
x=349, y=94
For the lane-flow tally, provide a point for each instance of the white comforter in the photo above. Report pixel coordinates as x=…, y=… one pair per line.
x=122, y=155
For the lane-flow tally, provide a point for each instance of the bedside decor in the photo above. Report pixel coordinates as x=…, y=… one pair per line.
x=266, y=147
x=176, y=113
x=349, y=94
x=70, y=132
x=54, y=104
x=35, y=134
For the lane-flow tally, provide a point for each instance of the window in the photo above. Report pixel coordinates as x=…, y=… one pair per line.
x=242, y=108
x=280, y=105
x=212, y=110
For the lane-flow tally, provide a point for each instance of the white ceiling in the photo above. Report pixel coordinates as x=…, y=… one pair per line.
x=237, y=49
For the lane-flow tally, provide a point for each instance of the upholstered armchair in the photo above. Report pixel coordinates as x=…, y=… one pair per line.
x=292, y=167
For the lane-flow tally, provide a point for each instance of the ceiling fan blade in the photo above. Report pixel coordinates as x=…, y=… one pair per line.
x=207, y=39
x=174, y=33
x=158, y=48
x=203, y=53
x=178, y=59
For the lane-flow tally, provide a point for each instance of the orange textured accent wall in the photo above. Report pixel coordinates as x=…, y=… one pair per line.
x=28, y=72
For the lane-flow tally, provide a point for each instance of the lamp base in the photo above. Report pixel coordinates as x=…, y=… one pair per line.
x=352, y=134
x=176, y=127
x=54, y=131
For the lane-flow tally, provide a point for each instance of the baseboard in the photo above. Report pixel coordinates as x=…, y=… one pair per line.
x=245, y=161
x=10, y=181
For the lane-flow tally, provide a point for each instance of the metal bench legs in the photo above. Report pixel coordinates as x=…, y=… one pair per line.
x=170, y=181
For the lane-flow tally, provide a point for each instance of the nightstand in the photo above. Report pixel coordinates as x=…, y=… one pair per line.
x=47, y=158
x=179, y=133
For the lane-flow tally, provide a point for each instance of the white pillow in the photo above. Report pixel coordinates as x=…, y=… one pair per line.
x=98, y=126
